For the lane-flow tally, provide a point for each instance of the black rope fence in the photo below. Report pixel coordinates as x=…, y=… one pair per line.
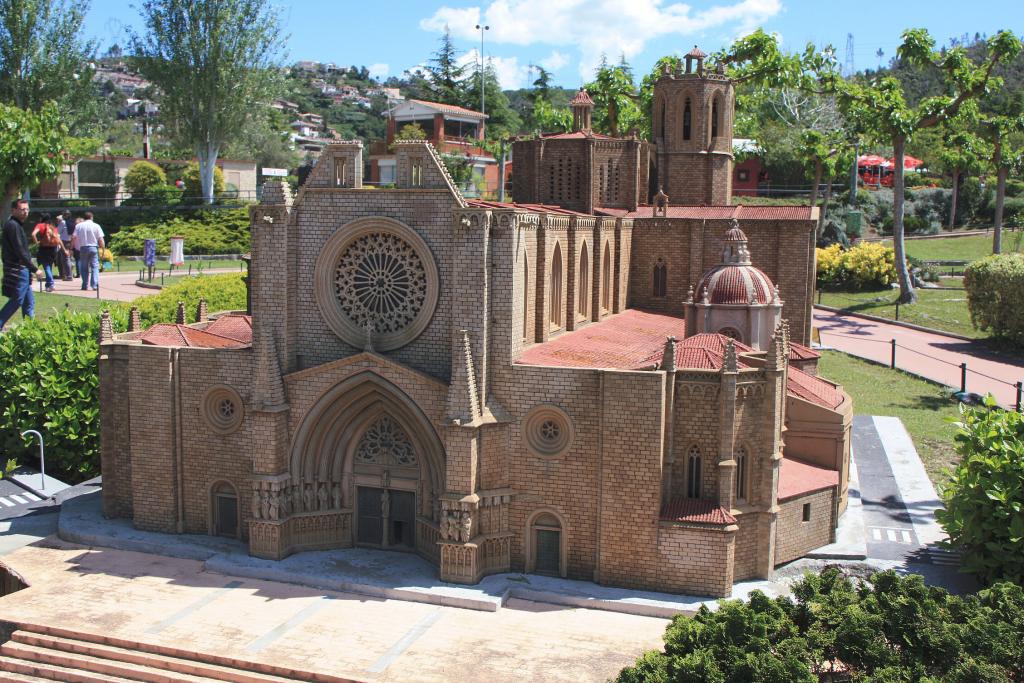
x=1018, y=386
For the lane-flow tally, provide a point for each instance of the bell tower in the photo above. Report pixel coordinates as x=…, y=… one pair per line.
x=692, y=128
x=582, y=111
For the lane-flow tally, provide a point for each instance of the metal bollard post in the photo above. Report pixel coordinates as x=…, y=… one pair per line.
x=819, y=296
x=897, y=310
x=190, y=270
x=892, y=361
x=1020, y=394
x=963, y=378
x=161, y=279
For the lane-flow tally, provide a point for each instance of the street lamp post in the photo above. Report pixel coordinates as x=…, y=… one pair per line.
x=482, y=29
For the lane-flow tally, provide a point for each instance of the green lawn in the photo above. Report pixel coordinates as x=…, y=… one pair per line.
x=49, y=305
x=922, y=406
x=162, y=266
x=969, y=248
x=942, y=309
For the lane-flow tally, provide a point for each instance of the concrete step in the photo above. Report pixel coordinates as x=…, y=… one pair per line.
x=188, y=662
x=34, y=671
x=118, y=671
x=194, y=669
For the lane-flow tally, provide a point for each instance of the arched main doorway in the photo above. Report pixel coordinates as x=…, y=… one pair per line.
x=366, y=451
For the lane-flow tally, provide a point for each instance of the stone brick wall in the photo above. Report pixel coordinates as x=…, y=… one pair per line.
x=154, y=473
x=696, y=560
x=784, y=250
x=115, y=430
x=796, y=537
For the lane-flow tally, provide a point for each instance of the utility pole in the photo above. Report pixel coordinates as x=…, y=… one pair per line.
x=848, y=68
x=482, y=29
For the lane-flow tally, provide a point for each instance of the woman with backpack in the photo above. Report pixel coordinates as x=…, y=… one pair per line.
x=51, y=248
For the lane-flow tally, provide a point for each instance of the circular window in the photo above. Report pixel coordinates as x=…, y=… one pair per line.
x=222, y=408
x=547, y=431
x=376, y=280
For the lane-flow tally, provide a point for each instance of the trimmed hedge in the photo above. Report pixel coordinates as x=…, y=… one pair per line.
x=995, y=291
x=206, y=232
x=223, y=292
x=50, y=381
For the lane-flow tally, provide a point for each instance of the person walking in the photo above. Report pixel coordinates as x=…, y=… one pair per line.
x=89, y=239
x=64, y=259
x=18, y=265
x=50, y=247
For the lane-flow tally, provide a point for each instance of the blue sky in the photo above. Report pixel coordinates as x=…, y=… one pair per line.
x=569, y=36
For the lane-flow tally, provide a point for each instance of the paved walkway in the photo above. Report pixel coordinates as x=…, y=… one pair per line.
x=934, y=356
x=114, y=286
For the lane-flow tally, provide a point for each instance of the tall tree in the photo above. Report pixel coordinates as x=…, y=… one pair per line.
x=1000, y=132
x=444, y=75
x=502, y=120
x=32, y=149
x=961, y=152
x=614, y=94
x=43, y=55
x=215, y=63
x=882, y=108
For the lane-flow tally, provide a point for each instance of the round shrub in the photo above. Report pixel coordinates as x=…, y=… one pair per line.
x=984, y=499
x=995, y=290
x=194, y=186
x=142, y=177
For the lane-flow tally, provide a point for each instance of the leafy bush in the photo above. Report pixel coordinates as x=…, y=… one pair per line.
x=974, y=203
x=888, y=629
x=206, y=232
x=1014, y=188
x=194, y=186
x=50, y=380
x=865, y=266
x=984, y=499
x=995, y=290
x=225, y=291
x=1013, y=212
x=50, y=384
x=143, y=177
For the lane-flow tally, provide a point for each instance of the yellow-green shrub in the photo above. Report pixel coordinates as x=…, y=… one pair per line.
x=995, y=290
x=865, y=266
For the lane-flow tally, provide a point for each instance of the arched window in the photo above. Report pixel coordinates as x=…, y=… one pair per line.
x=546, y=550
x=741, y=473
x=583, y=293
x=224, y=504
x=732, y=333
x=606, y=278
x=555, y=298
x=714, y=118
x=687, y=119
x=526, y=297
x=660, y=279
x=693, y=472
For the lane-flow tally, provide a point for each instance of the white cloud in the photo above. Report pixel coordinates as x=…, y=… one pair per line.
x=379, y=70
x=511, y=74
x=554, y=61
x=596, y=27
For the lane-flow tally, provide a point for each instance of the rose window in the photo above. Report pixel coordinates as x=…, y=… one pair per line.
x=381, y=283
x=376, y=284
x=548, y=431
x=385, y=443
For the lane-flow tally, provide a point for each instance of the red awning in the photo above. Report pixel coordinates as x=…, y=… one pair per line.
x=870, y=160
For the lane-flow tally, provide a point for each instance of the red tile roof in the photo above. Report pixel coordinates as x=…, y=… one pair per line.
x=620, y=341
x=539, y=208
x=582, y=97
x=739, y=212
x=797, y=478
x=450, y=108
x=696, y=52
x=801, y=352
x=732, y=284
x=232, y=326
x=170, y=334
x=695, y=511
x=704, y=351
x=814, y=389
x=577, y=135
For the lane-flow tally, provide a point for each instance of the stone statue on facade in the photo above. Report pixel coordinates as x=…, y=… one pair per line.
x=465, y=527
x=321, y=496
x=307, y=497
x=336, y=496
x=274, y=505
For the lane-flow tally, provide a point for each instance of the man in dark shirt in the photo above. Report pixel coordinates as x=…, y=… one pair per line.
x=18, y=266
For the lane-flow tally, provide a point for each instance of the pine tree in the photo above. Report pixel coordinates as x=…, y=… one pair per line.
x=444, y=77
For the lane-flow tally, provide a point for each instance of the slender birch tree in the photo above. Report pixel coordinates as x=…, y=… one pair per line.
x=215, y=63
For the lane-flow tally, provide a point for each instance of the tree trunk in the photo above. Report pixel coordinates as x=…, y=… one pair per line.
x=817, y=182
x=907, y=293
x=997, y=230
x=10, y=194
x=207, y=163
x=824, y=204
x=956, y=194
